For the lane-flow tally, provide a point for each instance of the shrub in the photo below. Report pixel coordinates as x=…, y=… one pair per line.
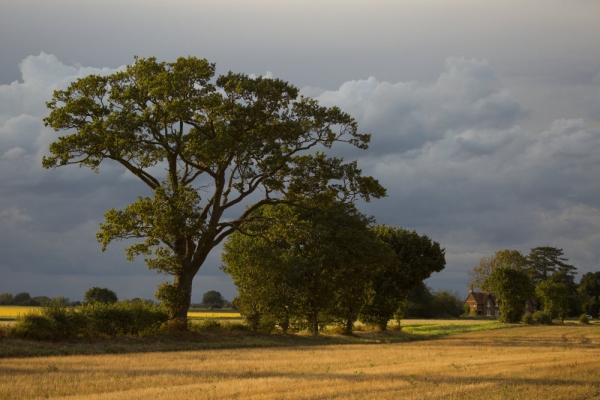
x=541, y=318
x=35, y=326
x=122, y=318
x=207, y=325
x=584, y=319
x=527, y=319
x=55, y=321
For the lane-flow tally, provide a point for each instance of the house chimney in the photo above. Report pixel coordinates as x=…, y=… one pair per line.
x=471, y=288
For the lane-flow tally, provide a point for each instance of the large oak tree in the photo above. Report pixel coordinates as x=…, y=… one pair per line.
x=222, y=143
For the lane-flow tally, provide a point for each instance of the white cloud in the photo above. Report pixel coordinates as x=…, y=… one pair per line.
x=404, y=116
x=13, y=215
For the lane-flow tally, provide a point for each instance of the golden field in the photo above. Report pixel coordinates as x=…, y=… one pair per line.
x=549, y=362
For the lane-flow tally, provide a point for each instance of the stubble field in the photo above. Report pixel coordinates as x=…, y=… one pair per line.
x=557, y=362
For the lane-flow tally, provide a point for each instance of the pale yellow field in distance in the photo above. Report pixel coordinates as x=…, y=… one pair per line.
x=213, y=314
x=556, y=362
x=16, y=311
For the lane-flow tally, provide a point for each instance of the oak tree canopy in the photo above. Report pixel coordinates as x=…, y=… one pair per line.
x=206, y=147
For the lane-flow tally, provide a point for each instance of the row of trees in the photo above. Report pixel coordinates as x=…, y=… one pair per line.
x=25, y=299
x=423, y=302
x=94, y=294
x=545, y=275
x=294, y=266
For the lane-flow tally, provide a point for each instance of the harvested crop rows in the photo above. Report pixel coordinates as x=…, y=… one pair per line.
x=529, y=362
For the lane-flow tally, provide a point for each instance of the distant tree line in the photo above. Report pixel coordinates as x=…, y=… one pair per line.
x=544, y=275
x=299, y=268
x=25, y=299
x=423, y=302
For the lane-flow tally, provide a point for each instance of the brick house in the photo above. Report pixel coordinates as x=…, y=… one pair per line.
x=488, y=305
x=482, y=304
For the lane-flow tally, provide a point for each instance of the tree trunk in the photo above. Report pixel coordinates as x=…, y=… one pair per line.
x=313, y=325
x=383, y=324
x=349, y=326
x=177, y=298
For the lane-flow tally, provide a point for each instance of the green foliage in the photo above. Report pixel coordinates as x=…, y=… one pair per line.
x=298, y=263
x=100, y=295
x=416, y=258
x=238, y=135
x=527, y=319
x=95, y=319
x=207, y=325
x=419, y=303
x=22, y=299
x=541, y=318
x=213, y=299
x=513, y=288
x=447, y=304
x=173, y=298
x=6, y=299
x=480, y=275
x=554, y=297
x=589, y=290
x=55, y=322
x=466, y=310
x=583, y=319
x=544, y=261
x=35, y=326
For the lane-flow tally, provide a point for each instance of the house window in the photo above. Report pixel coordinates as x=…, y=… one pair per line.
x=489, y=312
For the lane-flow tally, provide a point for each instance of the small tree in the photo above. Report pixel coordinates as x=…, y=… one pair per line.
x=293, y=262
x=480, y=275
x=589, y=289
x=22, y=299
x=6, y=299
x=554, y=297
x=513, y=289
x=416, y=258
x=213, y=299
x=100, y=295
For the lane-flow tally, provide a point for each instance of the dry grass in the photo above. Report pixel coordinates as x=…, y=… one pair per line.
x=558, y=362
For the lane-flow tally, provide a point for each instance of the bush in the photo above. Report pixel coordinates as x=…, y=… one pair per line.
x=35, y=326
x=56, y=322
x=122, y=318
x=583, y=319
x=527, y=319
x=541, y=318
x=207, y=325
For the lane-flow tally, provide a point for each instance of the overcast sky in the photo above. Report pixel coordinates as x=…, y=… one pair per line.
x=484, y=115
